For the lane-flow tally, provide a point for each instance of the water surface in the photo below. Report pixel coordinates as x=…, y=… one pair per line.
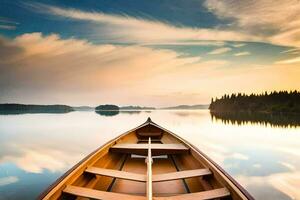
x=35, y=149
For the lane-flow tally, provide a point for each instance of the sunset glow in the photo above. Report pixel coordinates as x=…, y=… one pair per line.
x=113, y=52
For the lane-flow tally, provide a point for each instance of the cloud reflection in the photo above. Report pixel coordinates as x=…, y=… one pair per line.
x=8, y=180
x=263, y=159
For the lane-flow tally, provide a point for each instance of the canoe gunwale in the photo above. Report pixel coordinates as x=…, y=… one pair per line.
x=219, y=169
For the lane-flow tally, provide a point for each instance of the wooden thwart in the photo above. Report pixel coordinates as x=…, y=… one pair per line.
x=146, y=141
x=97, y=194
x=180, y=175
x=117, y=174
x=156, y=149
x=205, y=195
x=142, y=178
x=149, y=178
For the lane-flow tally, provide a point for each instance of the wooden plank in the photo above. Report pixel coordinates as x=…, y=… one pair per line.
x=117, y=174
x=178, y=146
x=180, y=175
x=169, y=187
x=149, y=131
x=153, y=157
x=97, y=194
x=149, y=171
x=156, y=149
x=132, y=187
x=146, y=141
x=205, y=195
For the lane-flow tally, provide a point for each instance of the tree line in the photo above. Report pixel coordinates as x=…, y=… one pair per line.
x=273, y=102
x=13, y=108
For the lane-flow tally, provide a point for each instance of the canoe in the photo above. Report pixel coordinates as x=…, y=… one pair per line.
x=147, y=162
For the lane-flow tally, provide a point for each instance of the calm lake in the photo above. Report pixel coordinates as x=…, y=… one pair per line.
x=35, y=149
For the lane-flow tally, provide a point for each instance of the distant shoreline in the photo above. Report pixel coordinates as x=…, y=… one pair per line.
x=17, y=108
x=11, y=108
x=187, y=107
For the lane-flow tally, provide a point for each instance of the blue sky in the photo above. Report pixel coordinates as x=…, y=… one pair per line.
x=178, y=13
x=124, y=51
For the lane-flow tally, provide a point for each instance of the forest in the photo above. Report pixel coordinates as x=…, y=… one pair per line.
x=273, y=102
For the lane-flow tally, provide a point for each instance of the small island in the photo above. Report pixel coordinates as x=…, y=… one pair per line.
x=274, y=102
x=107, y=110
x=107, y=107
x=13, y=108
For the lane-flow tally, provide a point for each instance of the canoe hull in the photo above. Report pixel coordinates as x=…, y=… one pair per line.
x=110, y=156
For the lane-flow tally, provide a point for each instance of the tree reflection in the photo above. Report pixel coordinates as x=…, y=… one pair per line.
x=242, y=118
x=107, y=113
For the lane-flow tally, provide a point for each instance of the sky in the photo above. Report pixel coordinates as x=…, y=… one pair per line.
x=149, y=53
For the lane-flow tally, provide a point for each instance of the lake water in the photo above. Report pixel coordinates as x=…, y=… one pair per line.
x=35, y=149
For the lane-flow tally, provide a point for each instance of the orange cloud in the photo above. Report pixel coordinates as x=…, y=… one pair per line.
x=48, y=69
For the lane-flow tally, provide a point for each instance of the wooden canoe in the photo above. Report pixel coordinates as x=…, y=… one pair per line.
x=147, y=162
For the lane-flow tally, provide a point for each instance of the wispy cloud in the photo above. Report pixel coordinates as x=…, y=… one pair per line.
x=239, y=45
x=292, y=51
x=7, y=24
x=289, y=61
x=244, y=53
x=8, y=21
x=251, y=22
x=189, y=43
x=7, y=27
x=131, y=29
x=275, y=21
x=220, y=51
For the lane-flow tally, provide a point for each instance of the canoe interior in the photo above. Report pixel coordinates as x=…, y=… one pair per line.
x=164, y=162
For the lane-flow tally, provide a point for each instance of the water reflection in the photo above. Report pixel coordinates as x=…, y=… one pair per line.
x=116, y=112
x=274, y=120
x=107, y=113
x=132, y=112
x=8, y=180
x=36, y=149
